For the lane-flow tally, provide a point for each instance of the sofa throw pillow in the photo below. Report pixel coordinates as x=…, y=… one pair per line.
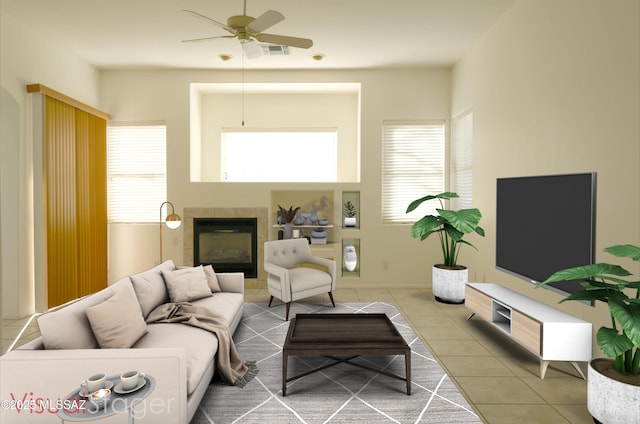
x=117, y=322
x=212, y=279
x=150, y=288
x=187, y=284
x=68, y=327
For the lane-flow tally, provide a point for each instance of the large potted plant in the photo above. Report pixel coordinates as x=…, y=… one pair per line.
x=448, y=278
x=613, y=388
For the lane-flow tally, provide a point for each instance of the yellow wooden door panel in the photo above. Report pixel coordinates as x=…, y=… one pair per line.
x=75, y=197
x=60, y=195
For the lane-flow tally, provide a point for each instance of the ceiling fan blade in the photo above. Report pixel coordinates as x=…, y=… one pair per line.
x=196, y=40
x=208, y=19
x=251, y=49
x=283, y=40
x=266, y=20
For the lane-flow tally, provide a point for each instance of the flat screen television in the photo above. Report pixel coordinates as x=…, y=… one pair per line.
x=545, y=224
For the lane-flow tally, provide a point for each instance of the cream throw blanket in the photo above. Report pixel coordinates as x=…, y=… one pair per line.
x=228, y=362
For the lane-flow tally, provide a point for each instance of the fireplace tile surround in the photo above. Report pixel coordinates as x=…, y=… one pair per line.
x=259, y=213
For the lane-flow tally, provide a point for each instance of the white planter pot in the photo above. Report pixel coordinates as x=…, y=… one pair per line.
x=609, y=400
x=350, y=221
x=448, y=285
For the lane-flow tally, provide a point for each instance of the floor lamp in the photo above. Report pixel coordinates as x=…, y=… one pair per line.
x=172, y=221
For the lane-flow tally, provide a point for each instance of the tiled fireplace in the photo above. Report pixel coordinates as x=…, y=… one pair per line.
x=225, y=238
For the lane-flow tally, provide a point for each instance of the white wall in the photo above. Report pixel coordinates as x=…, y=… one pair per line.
x=555, y=88
x=389, y=255
x=27, y=57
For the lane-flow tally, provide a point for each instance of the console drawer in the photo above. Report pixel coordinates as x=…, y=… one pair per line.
x=526, y=331
x=479, y=303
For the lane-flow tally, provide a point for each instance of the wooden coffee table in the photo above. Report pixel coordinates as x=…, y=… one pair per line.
x=343, y=337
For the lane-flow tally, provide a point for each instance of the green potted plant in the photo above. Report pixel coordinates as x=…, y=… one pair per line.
x=448, y=278
x=613, y=386
x=350, y=213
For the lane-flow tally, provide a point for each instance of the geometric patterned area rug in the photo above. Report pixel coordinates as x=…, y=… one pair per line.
x=339, y=394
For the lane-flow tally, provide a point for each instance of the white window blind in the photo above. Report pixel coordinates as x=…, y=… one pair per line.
x=462, y=160
x=280, y=155
x=413, y=167
x=137, y=172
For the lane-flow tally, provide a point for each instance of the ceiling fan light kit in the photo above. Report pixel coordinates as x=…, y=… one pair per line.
x=249, y=30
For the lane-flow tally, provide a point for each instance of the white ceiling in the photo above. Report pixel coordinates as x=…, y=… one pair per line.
x=133, y=34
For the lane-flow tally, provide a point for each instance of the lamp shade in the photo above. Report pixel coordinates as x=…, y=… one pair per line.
x=173, y=221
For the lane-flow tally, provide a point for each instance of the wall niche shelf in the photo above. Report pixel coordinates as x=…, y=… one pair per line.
x=351, y=206
x=350, y=258
x=322, y=201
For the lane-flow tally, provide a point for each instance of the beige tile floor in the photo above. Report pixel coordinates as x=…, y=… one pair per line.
x=497, y=376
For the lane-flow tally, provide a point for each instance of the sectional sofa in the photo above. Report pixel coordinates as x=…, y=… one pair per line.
x=106, y=333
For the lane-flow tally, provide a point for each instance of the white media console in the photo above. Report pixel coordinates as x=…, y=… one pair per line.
x=551, y=334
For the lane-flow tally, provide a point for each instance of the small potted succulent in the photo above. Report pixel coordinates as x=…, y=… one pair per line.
x=350, y=213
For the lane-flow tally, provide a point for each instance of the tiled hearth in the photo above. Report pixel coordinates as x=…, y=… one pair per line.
x=260, y=213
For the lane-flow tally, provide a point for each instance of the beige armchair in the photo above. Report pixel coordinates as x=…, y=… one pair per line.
x=288, y=279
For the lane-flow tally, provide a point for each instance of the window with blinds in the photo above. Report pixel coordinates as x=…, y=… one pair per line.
x=136, y=172
x=462, y=160
x=413, y=166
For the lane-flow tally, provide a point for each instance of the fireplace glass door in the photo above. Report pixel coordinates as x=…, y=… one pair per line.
x=228, y=244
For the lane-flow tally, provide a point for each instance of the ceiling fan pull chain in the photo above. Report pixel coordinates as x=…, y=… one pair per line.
x=242, y=94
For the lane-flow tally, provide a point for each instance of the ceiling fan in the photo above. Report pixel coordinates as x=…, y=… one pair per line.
x=248, y=30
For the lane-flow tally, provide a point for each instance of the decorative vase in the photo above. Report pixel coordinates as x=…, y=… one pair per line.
x=350, y=221
x=350, y=257
x=610, y=400
x=448, y=285
x=288, y=232
x=318, y=233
